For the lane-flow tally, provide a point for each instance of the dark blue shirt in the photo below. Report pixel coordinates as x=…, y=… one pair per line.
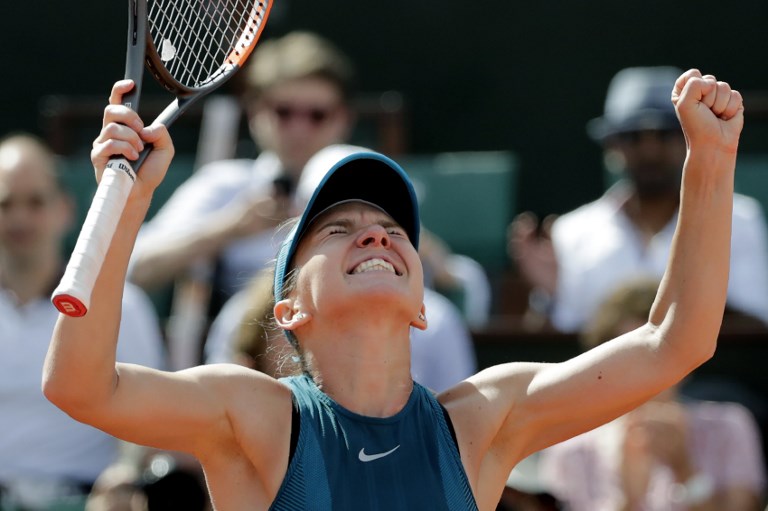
x=346, y=461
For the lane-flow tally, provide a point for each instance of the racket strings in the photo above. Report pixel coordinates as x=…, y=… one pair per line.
x=199, y=40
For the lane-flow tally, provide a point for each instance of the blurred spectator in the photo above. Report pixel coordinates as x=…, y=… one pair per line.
x=297, y=100
x=118, y=488
x=458, y=277
x=153, y=481
x=525, y=490
x=173, y=481
x=669, y=454
x=45, y=455
x=574, y=262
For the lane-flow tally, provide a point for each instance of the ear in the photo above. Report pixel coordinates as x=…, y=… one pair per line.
x=421, y=320
x=289, y=317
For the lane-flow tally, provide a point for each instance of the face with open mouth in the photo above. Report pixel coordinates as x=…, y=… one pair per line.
x=356, y=253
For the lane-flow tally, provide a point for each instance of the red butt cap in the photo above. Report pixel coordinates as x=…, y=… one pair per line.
x=69, y=305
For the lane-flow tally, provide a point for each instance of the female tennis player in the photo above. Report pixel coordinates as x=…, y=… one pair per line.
x=354, y=431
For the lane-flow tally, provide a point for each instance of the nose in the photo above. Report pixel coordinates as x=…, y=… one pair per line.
x=373, y=236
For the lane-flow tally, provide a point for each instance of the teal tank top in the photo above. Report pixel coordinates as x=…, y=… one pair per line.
x=346, y=461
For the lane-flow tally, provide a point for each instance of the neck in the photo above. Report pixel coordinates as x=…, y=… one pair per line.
x=365, y=369
x=28, y=278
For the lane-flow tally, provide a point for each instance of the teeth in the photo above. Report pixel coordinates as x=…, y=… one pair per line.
x=373, y=265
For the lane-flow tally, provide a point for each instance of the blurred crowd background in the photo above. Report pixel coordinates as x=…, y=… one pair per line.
x=520, y=76
x=494, y=97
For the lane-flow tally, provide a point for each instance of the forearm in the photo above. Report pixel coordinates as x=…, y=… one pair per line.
x=80, y=367
x=692, y=295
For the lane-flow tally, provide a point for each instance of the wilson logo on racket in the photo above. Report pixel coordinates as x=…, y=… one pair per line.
x=123, y=166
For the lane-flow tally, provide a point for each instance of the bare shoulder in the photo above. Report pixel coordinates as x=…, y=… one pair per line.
x=254, y=453
x=242, y=388
x=487, y=384
x=481, y=403
x=257, y=406
x=482, y=408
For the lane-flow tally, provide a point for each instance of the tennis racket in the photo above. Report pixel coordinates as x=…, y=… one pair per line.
x=190, y=47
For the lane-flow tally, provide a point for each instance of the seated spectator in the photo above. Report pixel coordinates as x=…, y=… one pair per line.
x=525, y=491
x=150, y=480
x=46, y=456
x=574, y=262
x=669, y=454
x=118, y=488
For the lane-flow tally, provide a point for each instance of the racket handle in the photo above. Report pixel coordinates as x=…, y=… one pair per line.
x=73, y=294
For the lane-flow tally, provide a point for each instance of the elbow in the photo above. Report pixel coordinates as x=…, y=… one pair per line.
x=48, y=384
x=56, y=391
x=691, y=350
x=67, y=394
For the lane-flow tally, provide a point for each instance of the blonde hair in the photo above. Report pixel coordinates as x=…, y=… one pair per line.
x=632, y=300
x=258, y=339
x=295, y=56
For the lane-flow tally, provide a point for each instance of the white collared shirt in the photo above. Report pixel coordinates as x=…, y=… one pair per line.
x=598, y=249
x=38, y=441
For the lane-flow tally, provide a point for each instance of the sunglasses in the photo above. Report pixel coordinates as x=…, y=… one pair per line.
x=313, y=115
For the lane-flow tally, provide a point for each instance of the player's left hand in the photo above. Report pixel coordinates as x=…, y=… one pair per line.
x=710, y=112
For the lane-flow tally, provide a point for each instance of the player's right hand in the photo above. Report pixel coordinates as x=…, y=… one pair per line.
x=251, y=216
x=123, y=134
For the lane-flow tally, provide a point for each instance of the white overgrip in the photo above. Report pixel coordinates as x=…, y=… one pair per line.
x=73, y=294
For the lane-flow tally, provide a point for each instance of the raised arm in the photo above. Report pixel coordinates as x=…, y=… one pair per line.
x=179, y=411
x=531, y=406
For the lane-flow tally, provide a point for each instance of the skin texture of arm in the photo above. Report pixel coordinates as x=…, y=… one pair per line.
x=194, y=411
x=529, y=406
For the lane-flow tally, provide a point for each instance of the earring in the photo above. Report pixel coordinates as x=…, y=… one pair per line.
x=300, y=316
